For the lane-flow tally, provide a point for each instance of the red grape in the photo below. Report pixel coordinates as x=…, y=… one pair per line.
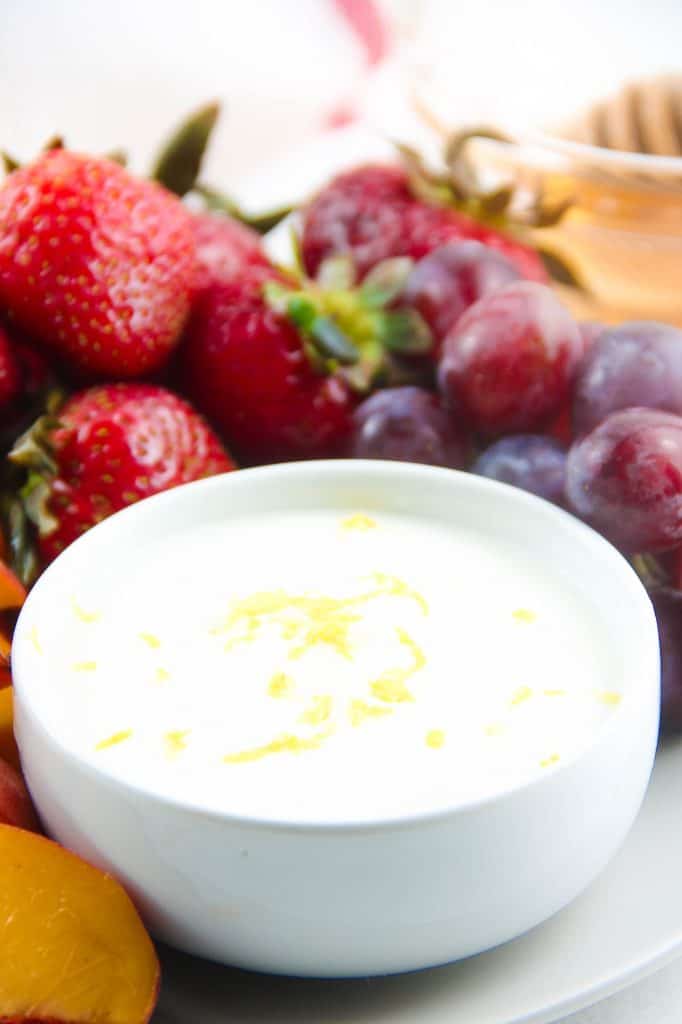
x=530, y=461
x=508, y=363
x=633, y=364
x=407, y=424
x=668, y=607
x=590, y=330
x=625, y=478
x=442, y=285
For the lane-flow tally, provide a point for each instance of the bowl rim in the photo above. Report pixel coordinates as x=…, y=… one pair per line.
x=644, y=640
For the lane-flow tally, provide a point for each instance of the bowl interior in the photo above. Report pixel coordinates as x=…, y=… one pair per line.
x=113, y=559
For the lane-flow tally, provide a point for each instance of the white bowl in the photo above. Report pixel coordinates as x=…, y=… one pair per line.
x=355, y=897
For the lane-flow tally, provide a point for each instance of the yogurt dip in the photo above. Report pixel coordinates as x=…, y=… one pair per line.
x=325, y=665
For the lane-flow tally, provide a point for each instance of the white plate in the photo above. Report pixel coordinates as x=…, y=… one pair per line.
x=628, y=923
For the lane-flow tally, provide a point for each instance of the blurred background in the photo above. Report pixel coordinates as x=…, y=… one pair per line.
x=310, y=86
x=292, y=71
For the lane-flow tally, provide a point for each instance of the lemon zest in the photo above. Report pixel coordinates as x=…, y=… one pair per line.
x=308, y=620
x=285, y=744
x=520, y=695
x=390, y=685
x=319, y=711
x=81, y=614
x=608, y=697
x=359, y=711
x=112, y=741
x=35, y=640
x=359, y=522
x=150, y=639
x=281, y=685
x=175, y=741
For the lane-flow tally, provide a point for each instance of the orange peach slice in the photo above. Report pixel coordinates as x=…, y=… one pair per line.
x=8, y=746
x=73, y=946
x=12, y=590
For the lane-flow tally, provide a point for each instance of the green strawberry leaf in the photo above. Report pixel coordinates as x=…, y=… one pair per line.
x=9, y=163
x=54, y=142
x=178, y=164
x=118, y=156
x=561, y=271
x=20, y=535
x=332, y=342
x=385, y=282
x=301, y=311
x=218, y=202
x=406, y=332
x=337, y=273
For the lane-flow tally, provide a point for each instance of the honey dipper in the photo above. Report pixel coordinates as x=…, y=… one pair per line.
x=642, y=117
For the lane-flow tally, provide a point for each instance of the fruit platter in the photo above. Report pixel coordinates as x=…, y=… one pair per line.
x=151, y=339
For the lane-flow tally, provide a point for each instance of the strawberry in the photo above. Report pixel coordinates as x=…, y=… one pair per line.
x=370, y=213
x=223, y=247
x=246, y=367
x=95, y=263
x=111, y=445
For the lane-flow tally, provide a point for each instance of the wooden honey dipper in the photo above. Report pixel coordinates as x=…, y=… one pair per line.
x=642, y=117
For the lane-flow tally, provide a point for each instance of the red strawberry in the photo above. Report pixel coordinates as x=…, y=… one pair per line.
x=113, y=444
x=223, y=247
x=370, y=214
x=27, y=385
x=95, y=263
x=247, y=368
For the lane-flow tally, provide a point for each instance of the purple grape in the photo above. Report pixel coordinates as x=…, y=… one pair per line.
x=508, y=364
x=532, y=462
x=625, y=478
x=668, y=607
x=633, y=364
x=590, y=330
x=442, y=285
x=407, y=424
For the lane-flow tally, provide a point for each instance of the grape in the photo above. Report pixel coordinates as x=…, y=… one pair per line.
x=625, y=478
x=668, y=607
x=633, y=364
x=407, y=425
x=530, y=461
x=508, y=363
x=442, y=285
x=590, y=330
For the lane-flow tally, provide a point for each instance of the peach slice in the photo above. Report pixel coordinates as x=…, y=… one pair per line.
x=73, y=946
x=12, y=590
x=5, y=648
x=8, y=745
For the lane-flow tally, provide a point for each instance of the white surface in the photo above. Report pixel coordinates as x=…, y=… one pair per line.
x=562, y=56
x=348, y=898
x=110, y=75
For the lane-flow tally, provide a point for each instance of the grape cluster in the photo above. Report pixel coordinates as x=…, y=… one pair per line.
x=582, y=415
